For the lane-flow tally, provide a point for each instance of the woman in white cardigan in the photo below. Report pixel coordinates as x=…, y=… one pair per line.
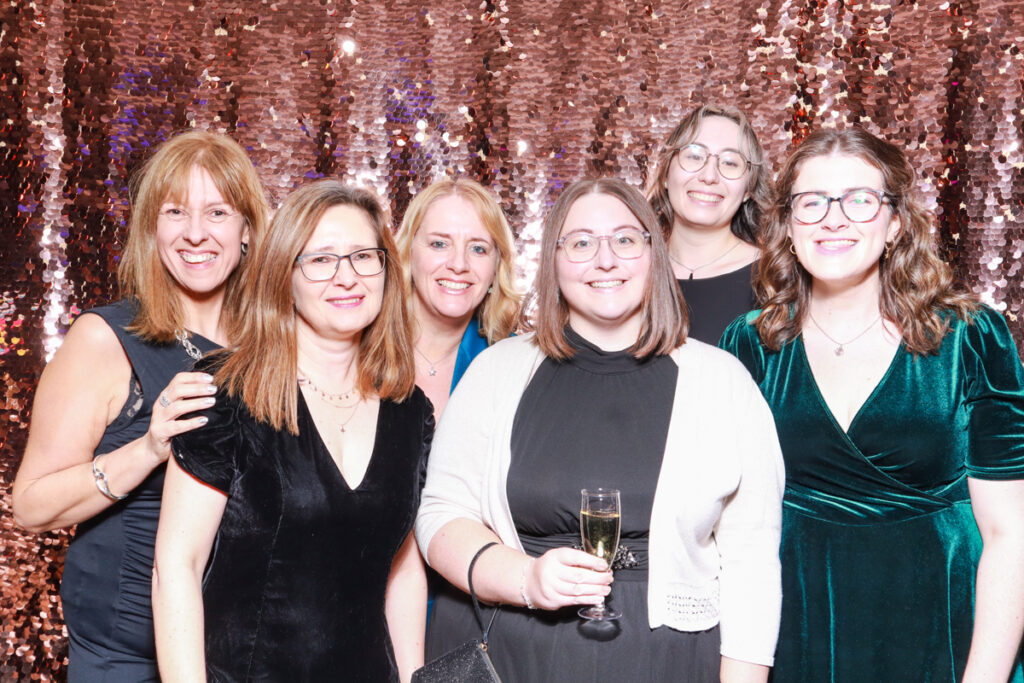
x=608, y=392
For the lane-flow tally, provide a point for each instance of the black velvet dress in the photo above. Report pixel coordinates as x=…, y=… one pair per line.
x=296, y=582
x=714, y=302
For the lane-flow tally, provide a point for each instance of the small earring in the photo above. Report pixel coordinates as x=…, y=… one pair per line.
x=245, y=248
x=792, y=249
x=490, y=289
x=888, y=250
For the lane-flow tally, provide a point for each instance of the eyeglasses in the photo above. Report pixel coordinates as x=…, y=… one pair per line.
x=859, y=205
x=580, y=247
x=176, y=214
x=731, y=163
x=321, y=266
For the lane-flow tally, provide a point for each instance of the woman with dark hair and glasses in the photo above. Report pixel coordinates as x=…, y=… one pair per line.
x=606, y=393
x=900, y=407
x=284, y=549
x=709, y=189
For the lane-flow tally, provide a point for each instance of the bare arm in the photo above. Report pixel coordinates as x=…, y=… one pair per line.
x=405, y=606
x=735, y=671
x=999, y=601
x=190, y=515
x=560, y=577
x=80, y=392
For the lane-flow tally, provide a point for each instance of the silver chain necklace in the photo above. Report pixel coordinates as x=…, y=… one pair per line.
x=193, y=352
x=433, y=371
x=839, y=350
x=705, y=265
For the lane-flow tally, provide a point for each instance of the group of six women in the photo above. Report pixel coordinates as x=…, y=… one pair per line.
x=852, y=460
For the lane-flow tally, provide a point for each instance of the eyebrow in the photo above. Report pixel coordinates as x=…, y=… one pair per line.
x=625, y=226
x=448, y=235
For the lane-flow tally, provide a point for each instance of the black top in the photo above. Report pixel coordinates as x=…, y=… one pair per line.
x=296, y=582
x=715, y=302
x=109, y=566
x=598, y=420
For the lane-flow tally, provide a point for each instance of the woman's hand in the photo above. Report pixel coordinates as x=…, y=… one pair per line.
x=565, y=576
x=187, y=392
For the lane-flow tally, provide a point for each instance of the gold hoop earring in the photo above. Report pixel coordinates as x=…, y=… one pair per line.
x=792, y=249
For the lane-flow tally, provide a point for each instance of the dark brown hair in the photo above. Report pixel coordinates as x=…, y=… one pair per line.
x=664, y=315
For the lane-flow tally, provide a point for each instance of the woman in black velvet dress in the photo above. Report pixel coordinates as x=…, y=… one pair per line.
x=302, y=489
x=709, y=189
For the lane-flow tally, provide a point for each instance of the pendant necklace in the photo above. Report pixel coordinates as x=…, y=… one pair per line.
x=839, y=350
x=334, y=400
x=433, y=371
x=705, y=265
x=186, y=343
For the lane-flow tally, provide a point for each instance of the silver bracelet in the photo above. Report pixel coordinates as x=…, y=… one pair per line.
x=100, y=477
x=522, y=584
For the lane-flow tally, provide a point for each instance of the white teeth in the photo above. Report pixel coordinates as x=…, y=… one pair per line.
x=448, y=284
x=350, y=300
x=700, y=196
x=603, y=284
x=189, y=257
x=836, y=244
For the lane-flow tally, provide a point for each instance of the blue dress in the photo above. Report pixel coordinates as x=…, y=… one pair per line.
x=109, y=566
x=879, y=544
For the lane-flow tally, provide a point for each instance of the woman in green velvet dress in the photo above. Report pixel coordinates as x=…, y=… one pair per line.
x=899, y=403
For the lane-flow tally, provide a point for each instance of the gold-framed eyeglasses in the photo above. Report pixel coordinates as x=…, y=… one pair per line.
x=731, y=163
x=581, y=246
x=320, y=266
x=859, y=205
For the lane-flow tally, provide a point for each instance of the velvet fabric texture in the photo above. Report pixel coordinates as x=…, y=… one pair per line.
x=879, y=544
x=109, y=566
x=297, y=578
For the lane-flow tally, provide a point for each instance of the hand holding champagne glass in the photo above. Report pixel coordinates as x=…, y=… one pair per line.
x=600, y=518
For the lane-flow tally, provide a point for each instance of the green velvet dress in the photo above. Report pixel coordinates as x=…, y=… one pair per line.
x=879, y=543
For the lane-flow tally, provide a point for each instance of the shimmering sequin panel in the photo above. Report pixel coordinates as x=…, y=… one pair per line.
x=524, y=95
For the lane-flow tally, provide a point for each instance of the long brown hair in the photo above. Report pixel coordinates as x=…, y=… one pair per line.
x=165, y=177
x=917, y=287
x=663, y=311
x=499, y=310
x=263, y=369
x=747, y=218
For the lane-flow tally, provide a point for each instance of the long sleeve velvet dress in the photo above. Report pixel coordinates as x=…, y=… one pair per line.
x=879, y=544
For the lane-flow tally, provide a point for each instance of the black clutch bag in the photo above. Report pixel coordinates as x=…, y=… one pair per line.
x=468, y=663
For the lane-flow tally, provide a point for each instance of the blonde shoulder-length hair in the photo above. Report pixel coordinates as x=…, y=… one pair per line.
x=499, y=310
x=165, y=177
x=665, y=320
x=263, y=369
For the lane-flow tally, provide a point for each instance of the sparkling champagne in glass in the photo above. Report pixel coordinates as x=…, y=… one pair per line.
x=600, y=516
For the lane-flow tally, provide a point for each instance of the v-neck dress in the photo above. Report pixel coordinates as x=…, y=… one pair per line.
x=879, y=544
x=295, y=585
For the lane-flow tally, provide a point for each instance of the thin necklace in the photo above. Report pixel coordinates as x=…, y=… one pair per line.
x=333, y=398
x=705, y=265
x=186, y=343
x=433, y=371
x=839, y=345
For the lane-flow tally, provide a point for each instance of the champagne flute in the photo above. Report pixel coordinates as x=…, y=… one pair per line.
x=600, y=517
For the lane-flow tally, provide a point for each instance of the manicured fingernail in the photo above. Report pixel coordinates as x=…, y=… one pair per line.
x=212, y=389
x=203, y=419
x=207, y=377
x=209, y=401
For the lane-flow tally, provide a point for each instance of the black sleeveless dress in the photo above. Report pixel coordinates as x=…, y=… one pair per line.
x=714, y=302
x=599, y=419
x=109, y=566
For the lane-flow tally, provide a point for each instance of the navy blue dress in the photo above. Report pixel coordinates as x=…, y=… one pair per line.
x=109, y=566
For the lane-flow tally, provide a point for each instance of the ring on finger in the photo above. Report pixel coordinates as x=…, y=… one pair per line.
x=164, y=401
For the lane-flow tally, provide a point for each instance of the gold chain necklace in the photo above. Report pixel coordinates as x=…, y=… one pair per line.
x=709, y=263
x=839, y=350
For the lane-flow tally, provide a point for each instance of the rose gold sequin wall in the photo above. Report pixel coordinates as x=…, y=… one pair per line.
x=525, y=95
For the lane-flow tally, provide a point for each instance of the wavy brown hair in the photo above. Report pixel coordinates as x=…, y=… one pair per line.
x=263, y=369
x=747, y=218
x=499, y=310
x=664, y=317
x=165, y=177
x=917, y=288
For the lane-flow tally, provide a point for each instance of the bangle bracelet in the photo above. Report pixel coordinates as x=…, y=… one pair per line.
x=100, y=477
x=522, y=584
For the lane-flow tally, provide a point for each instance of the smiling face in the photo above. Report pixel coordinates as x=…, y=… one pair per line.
x=604, y=294
x=704, y=199
x=452, y=261
x=837, y=252
x=199, y=239
x=342, y=307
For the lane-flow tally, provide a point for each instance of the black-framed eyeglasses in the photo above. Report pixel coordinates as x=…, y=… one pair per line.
x=859, y=205
x=731, y=163
x=626, y=243
x=320, y=266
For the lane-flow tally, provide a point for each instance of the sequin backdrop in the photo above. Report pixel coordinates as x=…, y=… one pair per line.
x=525, y=95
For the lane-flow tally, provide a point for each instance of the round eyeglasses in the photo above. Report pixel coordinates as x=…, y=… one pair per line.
x=731, y=163
x=626, y=243
x=859, y=205
x=321, y=266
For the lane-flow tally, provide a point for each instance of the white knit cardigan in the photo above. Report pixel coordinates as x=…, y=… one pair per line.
x=716, y=517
